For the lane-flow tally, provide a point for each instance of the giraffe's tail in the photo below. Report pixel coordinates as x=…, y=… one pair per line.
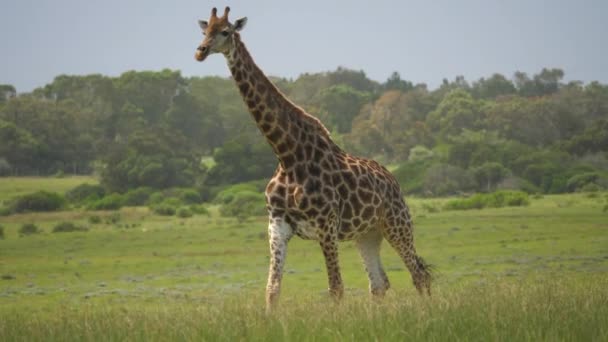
x=424, y=275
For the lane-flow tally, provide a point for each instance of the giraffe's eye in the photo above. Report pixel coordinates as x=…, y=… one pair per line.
x=225, y=33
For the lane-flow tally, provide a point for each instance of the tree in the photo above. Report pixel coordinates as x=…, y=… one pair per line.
x=493, y=87
x=238, y=161
x=457, y=111
x=7, y=91
x=157, y=157
x=488, y=175
x=544, y=83
x=394, y=82
x=340, y=104
x=18, y=149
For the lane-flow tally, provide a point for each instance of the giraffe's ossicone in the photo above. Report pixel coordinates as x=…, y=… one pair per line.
x=318, y=191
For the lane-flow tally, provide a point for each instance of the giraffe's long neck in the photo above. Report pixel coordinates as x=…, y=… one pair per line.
x=290, y=131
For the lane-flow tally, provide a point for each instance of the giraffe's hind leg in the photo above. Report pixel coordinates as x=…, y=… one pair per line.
x=369, y=249
x=399, y=233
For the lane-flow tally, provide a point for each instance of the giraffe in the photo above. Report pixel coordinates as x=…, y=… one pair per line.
x=318, y=191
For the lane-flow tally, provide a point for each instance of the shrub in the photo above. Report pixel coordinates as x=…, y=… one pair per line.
x=243, y=205
x=137, y=197
x=164, y=209
x=411, y=176
x=184, y=212
x=497, y=199
x=29, y=229
x=446, y=179
x=430, y=207
x=199, y=209
x=110, y=202
x=66, y=227
x=590, y=187
x=113, y=218
x=37, y=201
x=95, y=219
x=155, y=198
x=228, y=194
x=1, y=232
x=190, y=196
x=577, y=181
x=84, y=193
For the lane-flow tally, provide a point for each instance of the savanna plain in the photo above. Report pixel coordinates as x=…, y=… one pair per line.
x=536, y=272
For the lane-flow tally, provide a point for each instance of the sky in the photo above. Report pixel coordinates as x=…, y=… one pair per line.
x=425, y=41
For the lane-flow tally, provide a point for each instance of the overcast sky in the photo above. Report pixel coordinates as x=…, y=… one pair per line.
x=425, y=41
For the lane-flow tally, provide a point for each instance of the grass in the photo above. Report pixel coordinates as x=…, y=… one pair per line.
x=519, y=273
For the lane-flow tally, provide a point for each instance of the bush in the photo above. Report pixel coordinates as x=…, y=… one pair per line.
x=95, y=219
x=155, y=198
x=85, y=193
x=37, y=201
x=228, y=194
x=243, y=205
x=113, y=218
x=1, y=232
x=497, y=199
x=411, y=175
x=29, y=229
x=137, y=197
x=190, y=196
x=164, y=209
x=110, y=202
x=580, y=180
x=199, y=209
x=66, y=227
x=184, y=212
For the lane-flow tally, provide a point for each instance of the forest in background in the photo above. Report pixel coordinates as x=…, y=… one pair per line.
x=158, y=129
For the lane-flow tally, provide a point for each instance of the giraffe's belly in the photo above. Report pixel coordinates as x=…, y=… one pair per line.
x=305, y=230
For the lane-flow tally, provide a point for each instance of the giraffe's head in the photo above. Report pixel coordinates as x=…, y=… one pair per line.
x=218, y=33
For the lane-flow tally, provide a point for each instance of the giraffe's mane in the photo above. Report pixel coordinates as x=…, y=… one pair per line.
x=313, y=120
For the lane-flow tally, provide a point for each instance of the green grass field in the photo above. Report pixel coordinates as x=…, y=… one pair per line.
x=522, y=273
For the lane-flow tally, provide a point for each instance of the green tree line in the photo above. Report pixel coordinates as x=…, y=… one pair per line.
x=155, y=129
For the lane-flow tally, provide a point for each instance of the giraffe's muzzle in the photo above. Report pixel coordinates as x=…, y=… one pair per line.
x=201, y=53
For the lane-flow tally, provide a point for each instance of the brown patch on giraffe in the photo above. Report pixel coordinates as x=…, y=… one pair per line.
x=268, y=117
x=265, y=127
x=288, y=161
x=343, y=191
x=261, y=88
x=314, y=170
x=367, y=213
x=300, y=173
x=275, y=134
x=270, y=186
x=256, y=115
x=282, y=148
x=244, y=88
x=354, y=200
x=349, y=179
x=347, y=211
x=365, y=196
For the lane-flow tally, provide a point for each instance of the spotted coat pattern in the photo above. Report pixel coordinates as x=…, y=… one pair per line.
x=319, y=192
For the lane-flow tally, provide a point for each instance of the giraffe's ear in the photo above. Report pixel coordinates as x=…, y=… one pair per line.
x=203, y=24
x=239, y=24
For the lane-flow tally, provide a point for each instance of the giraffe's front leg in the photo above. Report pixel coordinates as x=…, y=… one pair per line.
x=279, y=233
x=329, y=245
